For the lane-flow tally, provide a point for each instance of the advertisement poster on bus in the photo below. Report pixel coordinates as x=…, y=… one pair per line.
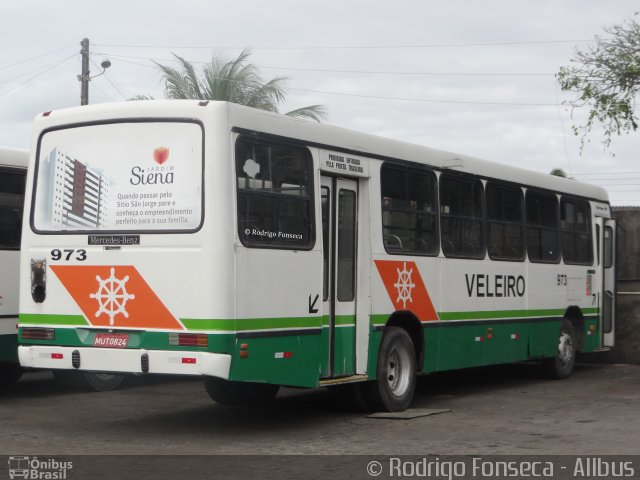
x=120, y=177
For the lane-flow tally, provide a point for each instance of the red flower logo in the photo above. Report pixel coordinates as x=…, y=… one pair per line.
x=161, y=155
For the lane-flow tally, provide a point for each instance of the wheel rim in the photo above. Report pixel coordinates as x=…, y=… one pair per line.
x=398, y=372
x=565, y=349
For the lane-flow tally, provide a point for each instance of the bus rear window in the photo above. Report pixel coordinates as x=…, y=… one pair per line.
x=119, y=177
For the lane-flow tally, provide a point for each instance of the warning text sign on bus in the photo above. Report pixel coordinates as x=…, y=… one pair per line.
x=344, y=163
x=139, y=176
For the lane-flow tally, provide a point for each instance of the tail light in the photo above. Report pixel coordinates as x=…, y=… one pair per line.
x=189, y=339
x=29, y=333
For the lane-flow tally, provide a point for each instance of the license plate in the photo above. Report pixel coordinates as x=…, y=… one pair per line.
x=111, y=340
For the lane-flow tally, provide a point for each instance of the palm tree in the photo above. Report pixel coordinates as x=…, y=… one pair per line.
x=233, y=81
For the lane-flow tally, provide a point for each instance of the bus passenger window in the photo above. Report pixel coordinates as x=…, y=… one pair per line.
x=274, y=195
x=575, y=225
x=543, y=234
x=409, y=220
x=461, y=217
x=505, y=222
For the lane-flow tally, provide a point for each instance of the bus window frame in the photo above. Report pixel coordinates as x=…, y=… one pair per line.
x=544, y=193
x=111, y=121
x=310, y=197
x=483, y=215
x=23, y=172
x=407, y=169
x=590, y=227
x=496, y=184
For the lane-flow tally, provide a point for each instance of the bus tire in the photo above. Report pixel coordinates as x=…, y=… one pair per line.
x=10, y=373
x=561, y=366
x=88, y=381
x=227, y=392
x=396, y=374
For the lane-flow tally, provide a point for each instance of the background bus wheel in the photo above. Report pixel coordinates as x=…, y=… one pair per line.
x=561, y=365
x=239, y=393
x=92, y=381
x=9, y=374
x=396, y=374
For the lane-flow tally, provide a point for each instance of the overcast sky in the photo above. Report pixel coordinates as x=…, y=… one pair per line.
x=469, y=76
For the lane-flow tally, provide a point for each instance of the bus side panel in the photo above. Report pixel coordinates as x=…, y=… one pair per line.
x=275, y=320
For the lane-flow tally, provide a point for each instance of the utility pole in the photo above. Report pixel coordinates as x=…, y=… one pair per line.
x=84, y=76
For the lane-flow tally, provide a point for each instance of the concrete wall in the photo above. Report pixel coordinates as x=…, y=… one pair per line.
x=627, y=348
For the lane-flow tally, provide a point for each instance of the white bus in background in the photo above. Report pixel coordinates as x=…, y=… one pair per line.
x=13, y=173
x=256, y=250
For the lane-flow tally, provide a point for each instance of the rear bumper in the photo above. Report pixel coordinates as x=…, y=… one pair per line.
x=126, y=360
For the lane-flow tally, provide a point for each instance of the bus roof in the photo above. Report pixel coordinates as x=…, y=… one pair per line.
x=13, y=157
x=381, y=147
x=326, y=136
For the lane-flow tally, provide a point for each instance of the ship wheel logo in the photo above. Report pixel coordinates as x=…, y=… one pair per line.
x=112, y=296
x=404, y=285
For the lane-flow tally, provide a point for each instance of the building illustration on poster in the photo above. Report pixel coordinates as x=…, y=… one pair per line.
x=77, y=195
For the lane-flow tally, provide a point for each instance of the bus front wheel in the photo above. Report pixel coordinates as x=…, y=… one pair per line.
x=561, y=366
x=396, y=374
x=227, y=392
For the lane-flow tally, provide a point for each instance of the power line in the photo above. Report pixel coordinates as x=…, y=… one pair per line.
x=521, y=104
x=38, y=75
x=517, y=104
x=352, y=47
x=30, y=72
x=36, y=57
x=359, y=72
x=113, y=84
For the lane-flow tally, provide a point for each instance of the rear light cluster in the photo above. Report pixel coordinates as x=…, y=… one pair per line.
x=188, y=340
x=38, y=333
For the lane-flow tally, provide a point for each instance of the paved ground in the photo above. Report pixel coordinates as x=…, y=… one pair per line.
x=499, y=410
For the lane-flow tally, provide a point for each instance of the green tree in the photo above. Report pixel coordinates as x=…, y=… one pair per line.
x=606, y=78
x=558, y=172
x=234, y=81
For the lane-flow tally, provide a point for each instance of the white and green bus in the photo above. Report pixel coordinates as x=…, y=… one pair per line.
x=256, y=250
x=13, y=172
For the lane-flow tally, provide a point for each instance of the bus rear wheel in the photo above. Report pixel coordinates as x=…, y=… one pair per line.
x=91, y=381
x=227, y=392
x=396, y=374
x=10, y=373
x=561, y=366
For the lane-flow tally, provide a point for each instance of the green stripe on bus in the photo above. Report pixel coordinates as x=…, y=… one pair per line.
x=381, y=319
x=346, y=320
x=42, y=319
x=247, y=324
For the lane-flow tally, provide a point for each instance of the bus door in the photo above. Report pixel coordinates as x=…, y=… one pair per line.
x=339, y=199
x=608, y=303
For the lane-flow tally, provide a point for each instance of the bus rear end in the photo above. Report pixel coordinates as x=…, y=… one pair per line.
x=114, y=273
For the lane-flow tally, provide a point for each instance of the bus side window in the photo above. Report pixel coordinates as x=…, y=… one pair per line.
x=505, y=222
x=274, y=195
x=577, y=241
x=12, y=186
x=409, y=219
x=543, y=233
x=461, y=217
